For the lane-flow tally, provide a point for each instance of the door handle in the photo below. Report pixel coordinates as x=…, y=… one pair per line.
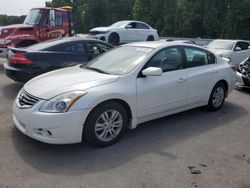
x=180, y=80
x=214, y=71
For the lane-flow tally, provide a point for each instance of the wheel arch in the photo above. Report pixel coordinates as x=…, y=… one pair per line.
x=225, y=83
x=122, y=102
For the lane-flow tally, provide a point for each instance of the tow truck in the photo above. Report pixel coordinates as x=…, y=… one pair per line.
x=40, y=24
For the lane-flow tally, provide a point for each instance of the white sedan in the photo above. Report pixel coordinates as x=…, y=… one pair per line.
x=129, y=85
x=124, y=32
x=235, y=50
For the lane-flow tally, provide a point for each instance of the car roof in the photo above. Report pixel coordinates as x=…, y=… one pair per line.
x=160, y=44
x=58, y=41
x=229, y=40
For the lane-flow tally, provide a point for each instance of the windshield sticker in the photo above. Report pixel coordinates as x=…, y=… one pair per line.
x=146, y=50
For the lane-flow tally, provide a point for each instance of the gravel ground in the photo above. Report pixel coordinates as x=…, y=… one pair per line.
x=190, y=149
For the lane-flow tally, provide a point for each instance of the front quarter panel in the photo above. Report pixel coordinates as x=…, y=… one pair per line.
x=123, y=89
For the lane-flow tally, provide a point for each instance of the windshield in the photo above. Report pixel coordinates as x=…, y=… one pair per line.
x=119, y=24
x=119, y=61
x=222, y=45
x=34, y=17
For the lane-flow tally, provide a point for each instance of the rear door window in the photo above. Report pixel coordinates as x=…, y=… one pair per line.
x=198, y=57
x=141, y=26
x=76, y=47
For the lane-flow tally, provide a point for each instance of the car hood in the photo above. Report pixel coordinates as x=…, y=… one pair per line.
x=100, y=29
x=66, y=80
x=220, y=52
x=5, y=31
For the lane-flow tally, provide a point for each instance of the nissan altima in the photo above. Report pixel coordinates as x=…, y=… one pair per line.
x=120, y=89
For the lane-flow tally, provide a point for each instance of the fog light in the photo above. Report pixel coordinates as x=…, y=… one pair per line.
x=44, y=132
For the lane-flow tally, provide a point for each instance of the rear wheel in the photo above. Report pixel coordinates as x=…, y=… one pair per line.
x=105, y=124
x=114, y=39
x=217, y=97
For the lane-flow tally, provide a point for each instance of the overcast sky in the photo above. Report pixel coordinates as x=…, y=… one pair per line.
x=19, y=7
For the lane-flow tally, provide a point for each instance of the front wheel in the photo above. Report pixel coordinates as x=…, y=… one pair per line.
x=114, y=39
x=217, y=97
x=105, y=124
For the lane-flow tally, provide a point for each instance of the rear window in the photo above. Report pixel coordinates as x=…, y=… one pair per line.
x=45, y=45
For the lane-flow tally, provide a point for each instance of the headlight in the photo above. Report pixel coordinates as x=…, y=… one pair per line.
x=62, y=103
x=4, y=41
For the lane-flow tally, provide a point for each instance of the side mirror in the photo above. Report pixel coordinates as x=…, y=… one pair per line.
x=237, y=49
x=128, y=26
x=152, y=71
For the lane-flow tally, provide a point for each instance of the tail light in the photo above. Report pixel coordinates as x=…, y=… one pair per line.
x=20, y=59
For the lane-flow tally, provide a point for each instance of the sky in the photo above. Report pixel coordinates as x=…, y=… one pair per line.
x=19, y=7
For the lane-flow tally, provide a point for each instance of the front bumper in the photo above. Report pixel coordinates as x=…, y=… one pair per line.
x=102, y=37
x=52, y=128
x=4, y=52
x=242, y=80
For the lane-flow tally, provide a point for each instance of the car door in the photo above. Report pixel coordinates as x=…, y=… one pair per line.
x=201, y=72
x=130, y=34
x=142, y=32
x=52, y=26
x=240, y=53
x=160, y=94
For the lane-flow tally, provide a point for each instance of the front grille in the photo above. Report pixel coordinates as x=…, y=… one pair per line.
x=95, y=32
x=25, y=100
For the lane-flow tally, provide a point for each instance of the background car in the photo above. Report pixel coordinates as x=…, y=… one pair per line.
x=125, y=32
x=122, y=88
x=243, y=74
x=26, y=63
x=235, y=50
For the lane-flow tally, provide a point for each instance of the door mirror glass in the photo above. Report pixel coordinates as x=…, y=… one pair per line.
x=152, y=71
x=128, y=26
x=238, y=48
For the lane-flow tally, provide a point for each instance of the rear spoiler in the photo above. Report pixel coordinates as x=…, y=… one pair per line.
x=17, y=50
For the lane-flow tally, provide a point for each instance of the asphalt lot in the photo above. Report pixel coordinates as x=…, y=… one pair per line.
x=160, y=153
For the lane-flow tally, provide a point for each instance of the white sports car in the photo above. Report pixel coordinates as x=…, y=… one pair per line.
x=124, y=87
x=124, y=32
x=235, y=50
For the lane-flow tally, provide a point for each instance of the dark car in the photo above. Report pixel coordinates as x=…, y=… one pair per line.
x=26, y=63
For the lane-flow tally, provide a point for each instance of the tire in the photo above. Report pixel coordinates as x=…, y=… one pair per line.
x=217, y=97
x=114, y=39
x=150, y=38
x=99, y=129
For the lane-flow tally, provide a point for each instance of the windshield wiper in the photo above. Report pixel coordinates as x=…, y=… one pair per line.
x=97, y=70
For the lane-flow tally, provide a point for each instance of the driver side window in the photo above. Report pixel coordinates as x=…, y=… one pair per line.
x=169, y=59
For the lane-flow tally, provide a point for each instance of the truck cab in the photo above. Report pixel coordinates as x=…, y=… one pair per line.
x=41, y=24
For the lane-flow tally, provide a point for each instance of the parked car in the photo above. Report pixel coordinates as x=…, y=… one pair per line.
x=235, y=50
x=122, y=88
x=243, y=74
x=125, y=32
x=26, y=63
x=184, y=41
